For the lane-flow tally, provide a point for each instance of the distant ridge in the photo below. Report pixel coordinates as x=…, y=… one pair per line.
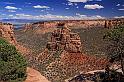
x=14, y=21
x=19, y=20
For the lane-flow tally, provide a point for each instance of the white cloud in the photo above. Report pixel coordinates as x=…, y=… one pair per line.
x=78, y=1
x=11, y=7
x=55, y=17
x=119, y=17
x=84, y=1
x=11, y=11
x=95, y=6
x=10, y=15
x=42, y=10
x=89, y=17
x=76, y=17
x=98, y=0
x=77, y=14
x=69, y=3
x=118, y=4
x=77, y=7
x=67, y=8
x=121, y=9
x=98, y=17
x=75, y=4
x=23, y=15
x=41, y=7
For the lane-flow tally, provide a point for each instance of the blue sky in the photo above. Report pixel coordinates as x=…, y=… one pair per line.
x=61, y=9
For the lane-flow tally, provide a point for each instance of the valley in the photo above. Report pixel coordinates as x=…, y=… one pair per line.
x=62, y=49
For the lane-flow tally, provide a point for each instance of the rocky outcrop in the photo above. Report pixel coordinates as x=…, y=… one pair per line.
x=114, y=23
x=27, y=26
x=6, y=31
x=84, y=62
x=63, y=56
x=64, y=39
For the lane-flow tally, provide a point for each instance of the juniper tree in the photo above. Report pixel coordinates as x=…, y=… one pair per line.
x=12, y=63
x=115, y=47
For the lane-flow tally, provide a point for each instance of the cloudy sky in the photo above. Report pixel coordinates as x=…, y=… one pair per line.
x=61, y=9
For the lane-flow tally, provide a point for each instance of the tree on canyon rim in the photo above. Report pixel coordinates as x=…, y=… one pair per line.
x=115, y=47
x=12, y=63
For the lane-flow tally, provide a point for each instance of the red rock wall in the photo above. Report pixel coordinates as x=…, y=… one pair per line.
x=64, y=39
x=78, y=23
x=6, y=31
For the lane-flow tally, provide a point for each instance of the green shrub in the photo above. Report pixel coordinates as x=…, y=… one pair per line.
x=12, y=63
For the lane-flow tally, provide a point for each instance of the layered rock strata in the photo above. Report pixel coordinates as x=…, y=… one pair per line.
x=64, y=39
x=107, y=23
x=6, y=31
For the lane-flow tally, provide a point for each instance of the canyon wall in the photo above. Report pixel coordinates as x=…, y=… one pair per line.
x=107, y=23
x=114, y=22
x=6, y=31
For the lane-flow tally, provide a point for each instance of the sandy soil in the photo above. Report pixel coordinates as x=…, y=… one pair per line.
x=35, y=76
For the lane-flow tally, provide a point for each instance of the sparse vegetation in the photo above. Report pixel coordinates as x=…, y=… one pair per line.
x=115, y=48
x=32, y=40
x=92, y=41
x=114, y=51
x=48, y=62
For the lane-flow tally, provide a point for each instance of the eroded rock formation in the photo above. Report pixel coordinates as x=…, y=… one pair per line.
x=64, y=39
x=114, y=22
x=27, y=26
x=6, y=31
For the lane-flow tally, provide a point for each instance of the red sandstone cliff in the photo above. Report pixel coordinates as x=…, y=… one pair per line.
x=7, y=32
x=70, y=43
x=107, y=23
x=64, y=39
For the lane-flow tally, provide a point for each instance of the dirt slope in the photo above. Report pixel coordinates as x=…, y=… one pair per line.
x=35, y=76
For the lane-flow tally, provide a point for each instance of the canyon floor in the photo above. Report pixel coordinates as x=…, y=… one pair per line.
x=91, y=39
x=52, y=66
